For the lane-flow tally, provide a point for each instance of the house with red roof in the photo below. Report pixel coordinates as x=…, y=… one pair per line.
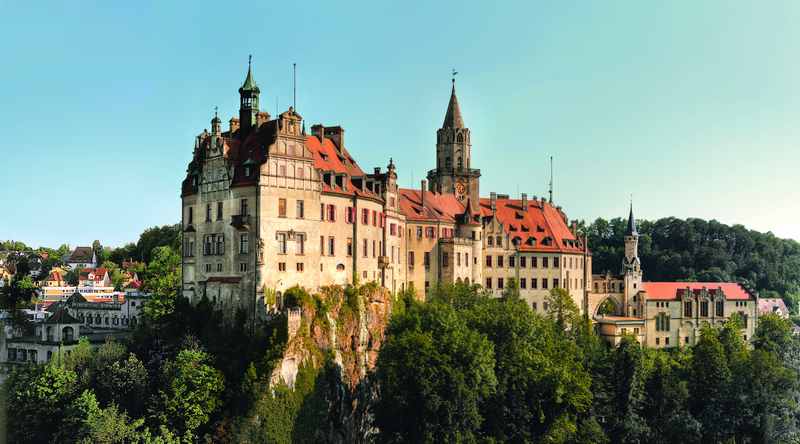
x=664, y=314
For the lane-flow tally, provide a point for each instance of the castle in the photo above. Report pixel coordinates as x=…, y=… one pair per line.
x=258, y=196
x=267, y=206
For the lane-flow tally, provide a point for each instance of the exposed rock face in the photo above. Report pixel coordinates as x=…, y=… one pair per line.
x=349, y=327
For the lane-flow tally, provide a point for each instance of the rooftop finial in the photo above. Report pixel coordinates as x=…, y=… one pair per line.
x=454, y=78
x=249, y=60
x=215, y=111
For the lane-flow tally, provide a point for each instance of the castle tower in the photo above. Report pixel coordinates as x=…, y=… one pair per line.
x=631, y=269
x=248, y=102
x=453, y=152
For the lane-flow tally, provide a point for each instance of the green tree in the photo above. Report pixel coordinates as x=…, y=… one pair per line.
x=162, y=279
x=773, y=334
x=665, y=404
x=37, y=397
x=433, y=372
x=191, y=392
x=542, y=387
x=709, y=386
x=561, y=308
x=628, y=426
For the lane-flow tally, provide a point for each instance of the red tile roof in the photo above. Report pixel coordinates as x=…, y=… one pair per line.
x=671, y=291
x=438, y=207
x=539, y=227
x=99, y=273
x=330, y=158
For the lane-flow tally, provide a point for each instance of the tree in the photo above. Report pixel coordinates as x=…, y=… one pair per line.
x=664, y=405
x=511, y=290
x=561, y=308
x=773, y=334
x=627, y=423
x=709, y=388
x=433, y=372
x=37, y=395
x=162, y=279
x=190, y=393
x=542, y=386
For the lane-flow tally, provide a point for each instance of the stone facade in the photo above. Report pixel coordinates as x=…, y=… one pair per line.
x=664, y=314
x=267, y=206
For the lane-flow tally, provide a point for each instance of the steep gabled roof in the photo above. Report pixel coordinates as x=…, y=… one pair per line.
x=444, y=207
x=539, y=227
x=61, y=316
x=631, y=231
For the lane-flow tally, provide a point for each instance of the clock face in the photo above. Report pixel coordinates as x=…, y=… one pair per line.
x=460, y=188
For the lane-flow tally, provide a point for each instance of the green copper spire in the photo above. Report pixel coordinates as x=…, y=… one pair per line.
x=249, y=82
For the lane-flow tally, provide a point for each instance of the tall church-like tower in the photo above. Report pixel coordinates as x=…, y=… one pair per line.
x=248, y=102
x=453, y=152
x=631, y=268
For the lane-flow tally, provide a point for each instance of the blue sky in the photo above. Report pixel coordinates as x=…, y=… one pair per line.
x=692, y=107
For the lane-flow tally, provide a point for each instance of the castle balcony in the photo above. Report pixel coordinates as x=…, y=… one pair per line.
x=240, y=221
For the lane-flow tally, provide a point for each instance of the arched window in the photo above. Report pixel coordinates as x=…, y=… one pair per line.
x=460, y=163
x=459, y=138
x=97, y=319
x=67, y=334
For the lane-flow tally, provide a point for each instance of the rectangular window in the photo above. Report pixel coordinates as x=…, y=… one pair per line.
x=445, y=260
x=489, y=283
x=374, y=218
x=281, y=243
x=219, y=210
x=523, y=262
x=243, y=207
x=523, y=283
x=544, y=283
x=545, y=262
x=244, y=244
x=500, y=283
x=488, y=261
x=208, y=212
x=321, y=211
x=490, y=241
x=429, y=232
x=349, y=246
x=191, y=215
x=242, y=267
x=300, y=267
x=704, y=308
x=219, y=267
x=687, y=309
x=499, y=241
x=534, y=283
x=220, y=244
x=331, y=245
x=512, y=261
x=301, y=210
x=499, y=261
x=373, y=249
x=300, y=243
x=555, y=283
x=331, y=213
x=458, y=259
x=393, y=229
x=208, y=270
x=365, y=248
x=419, y=232
x=281, y=207
x=666, y=341
x=658, y=341
x=534, y=262
x=427, y=260
x=720, y=308
x=281, y=266
x=365, y=216
x=555, y=262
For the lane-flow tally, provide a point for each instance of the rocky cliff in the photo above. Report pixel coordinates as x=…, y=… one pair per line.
x=338, y=331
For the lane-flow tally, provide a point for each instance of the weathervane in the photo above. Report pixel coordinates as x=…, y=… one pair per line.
x=454, y=76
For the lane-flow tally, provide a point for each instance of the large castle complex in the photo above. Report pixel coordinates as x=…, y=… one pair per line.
x=267, y=206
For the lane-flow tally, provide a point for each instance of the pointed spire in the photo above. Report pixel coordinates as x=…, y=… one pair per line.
x=249, y=82
x=453, y=117
x=631, y=231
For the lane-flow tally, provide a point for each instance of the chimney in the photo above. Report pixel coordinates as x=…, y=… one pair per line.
x=377, y=170
x=319, y=131
x=493, y=201
x=262, y=117
x=575, y=228
x=335, y=133
x=234, y=125
x=423, y=186
x=524, y=201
